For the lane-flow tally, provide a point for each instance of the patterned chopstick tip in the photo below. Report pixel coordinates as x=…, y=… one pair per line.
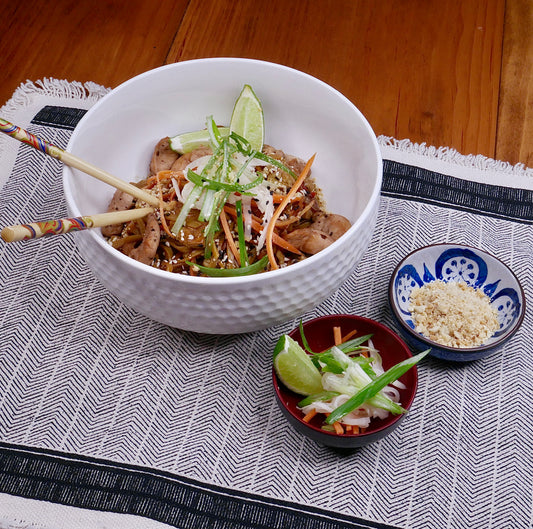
x=35, y=230
x=26, y=137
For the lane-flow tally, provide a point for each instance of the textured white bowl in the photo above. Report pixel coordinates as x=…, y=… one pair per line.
x=302, y=116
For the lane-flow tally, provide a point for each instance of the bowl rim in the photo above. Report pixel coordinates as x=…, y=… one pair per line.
x=226, y=281
x=372, y=432
x=463, y=351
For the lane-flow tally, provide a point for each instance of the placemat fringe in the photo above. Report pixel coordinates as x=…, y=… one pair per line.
x=61, y=88
x=447, y=154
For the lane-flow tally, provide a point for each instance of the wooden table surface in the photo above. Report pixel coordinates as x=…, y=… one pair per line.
x=454, y=73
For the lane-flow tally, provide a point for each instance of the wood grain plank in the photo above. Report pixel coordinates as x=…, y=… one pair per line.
x=515, y=118
x=424, y=70
x=105, y=42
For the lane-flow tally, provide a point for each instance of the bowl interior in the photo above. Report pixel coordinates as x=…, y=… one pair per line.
x=451, y=262
x=302, y=116
x=319, y=334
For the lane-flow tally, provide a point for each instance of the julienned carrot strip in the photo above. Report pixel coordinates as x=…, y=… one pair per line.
x=279, y=210
x=161, y=211
x=167, y=173
x=337, y=336
x=339, y=430
x=257, y=227
x=309, y=415
x=282, y=243
x=229, y=238
x=155, y=179
x=349, y=335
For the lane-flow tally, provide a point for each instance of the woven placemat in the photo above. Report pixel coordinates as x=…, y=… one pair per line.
x=106, y=413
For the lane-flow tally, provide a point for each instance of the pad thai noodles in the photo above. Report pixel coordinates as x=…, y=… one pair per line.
x=226, y=210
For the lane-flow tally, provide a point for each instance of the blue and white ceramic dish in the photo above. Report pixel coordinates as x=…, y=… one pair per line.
x=455, y=262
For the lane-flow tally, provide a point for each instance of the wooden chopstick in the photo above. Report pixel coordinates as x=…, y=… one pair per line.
x=77, y=163
x=35, y=230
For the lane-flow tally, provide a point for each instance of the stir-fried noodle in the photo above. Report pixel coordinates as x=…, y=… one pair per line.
x=216, y=209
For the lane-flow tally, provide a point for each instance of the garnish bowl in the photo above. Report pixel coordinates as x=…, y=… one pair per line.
x=457, y=262
x=303, y=116
x=319, y=335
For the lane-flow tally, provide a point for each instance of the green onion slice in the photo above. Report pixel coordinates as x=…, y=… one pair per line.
x=374, y=387
x=305, y=343
x=207, y=183
x=219, y=200
x=318, y=397
x=240, y=232
x=214, y=134
x=187, y=206
x=254, y=268
x=353, y=345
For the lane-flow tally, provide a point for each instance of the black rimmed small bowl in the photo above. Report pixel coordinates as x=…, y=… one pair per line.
x=456, y=262
x=319, y=334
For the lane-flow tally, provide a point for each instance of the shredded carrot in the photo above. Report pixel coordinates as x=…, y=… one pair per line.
x=276, y=239
x=337, y=336
x=229, y=238
x=306, y=209
x=339, y=430
x=170, y=195
x=349, y=335
x=348, y=428
x=161, y=175
x=161, y=208
x=309, y=415
x=296, y=217
x=279, y=210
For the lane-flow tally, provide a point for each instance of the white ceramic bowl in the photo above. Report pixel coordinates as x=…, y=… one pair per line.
x=302, y=116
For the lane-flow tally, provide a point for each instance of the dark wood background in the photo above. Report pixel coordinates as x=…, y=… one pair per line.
x=454, y=73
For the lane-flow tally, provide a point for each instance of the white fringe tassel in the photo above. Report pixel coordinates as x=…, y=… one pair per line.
x=447, y=154
x=59, y=88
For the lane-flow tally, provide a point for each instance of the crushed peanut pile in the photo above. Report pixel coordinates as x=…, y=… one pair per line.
x=453, y=314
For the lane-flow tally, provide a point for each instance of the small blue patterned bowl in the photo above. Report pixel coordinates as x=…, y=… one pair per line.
x=456, y=262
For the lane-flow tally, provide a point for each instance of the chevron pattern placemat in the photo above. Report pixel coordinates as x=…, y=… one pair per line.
x=106, y=413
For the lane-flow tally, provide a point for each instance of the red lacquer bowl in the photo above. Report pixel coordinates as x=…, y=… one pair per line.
x=319, y=335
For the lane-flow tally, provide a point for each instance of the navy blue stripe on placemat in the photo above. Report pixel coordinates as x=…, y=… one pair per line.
x=96, y=484
x=414, y=183
x=59, y=117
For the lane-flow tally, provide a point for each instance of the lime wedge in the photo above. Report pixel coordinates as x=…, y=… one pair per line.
x=189, y=141
x=295, y=368
x=247, y=119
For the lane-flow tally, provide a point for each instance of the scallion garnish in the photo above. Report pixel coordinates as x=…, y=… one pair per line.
x=254, y=268
x=194, y=195
x=326, y=395
x=374, y=387
x=240, y=231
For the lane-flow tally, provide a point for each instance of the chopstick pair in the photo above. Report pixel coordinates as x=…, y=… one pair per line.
x=59, y=226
